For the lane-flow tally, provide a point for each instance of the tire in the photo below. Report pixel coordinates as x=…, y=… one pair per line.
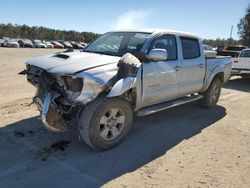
x=97, y=127
x=212, y=94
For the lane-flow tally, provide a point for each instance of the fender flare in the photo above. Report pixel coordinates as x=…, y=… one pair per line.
x=122, y=86
x=217, y=70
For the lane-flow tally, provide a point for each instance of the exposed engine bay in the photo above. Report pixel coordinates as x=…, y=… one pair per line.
x=60, y=98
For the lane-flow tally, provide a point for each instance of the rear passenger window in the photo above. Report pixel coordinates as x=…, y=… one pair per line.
x=168, y=43
x=190, y=48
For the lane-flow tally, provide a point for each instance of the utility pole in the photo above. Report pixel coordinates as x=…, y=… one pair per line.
x=231, y=31
x=230, y=38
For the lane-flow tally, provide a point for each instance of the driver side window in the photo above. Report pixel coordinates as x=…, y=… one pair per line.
x=167, y=42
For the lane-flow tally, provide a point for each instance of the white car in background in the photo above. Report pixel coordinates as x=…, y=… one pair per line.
x=38, y=44
x=11, y=43
x=241, y=64
x=48, y=44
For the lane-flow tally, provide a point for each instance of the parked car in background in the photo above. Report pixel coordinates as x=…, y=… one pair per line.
x=241, y=65
x=219, y=49
x=11, y=43
x=57, y=44
x=25, y=43
x=84, y=44
x=38, y=44
x=142, y=73
x=208, y=48
x=48, y=44
x=232, y=50
x=66, y=44
x=1, y=41
x=77, y=45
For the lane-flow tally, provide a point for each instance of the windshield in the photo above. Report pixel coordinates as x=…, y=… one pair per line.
x=245, y=53
x=118, y=43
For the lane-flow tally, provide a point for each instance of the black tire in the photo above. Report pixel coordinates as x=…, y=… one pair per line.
x=89, y=122
x=210, y=96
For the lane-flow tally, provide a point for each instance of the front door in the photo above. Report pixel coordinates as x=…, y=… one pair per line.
x=161, y=79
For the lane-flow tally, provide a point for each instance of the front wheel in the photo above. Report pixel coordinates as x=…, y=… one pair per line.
x=212, y=95
x=105, y=122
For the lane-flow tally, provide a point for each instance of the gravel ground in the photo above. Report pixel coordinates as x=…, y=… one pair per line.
x=185, y=146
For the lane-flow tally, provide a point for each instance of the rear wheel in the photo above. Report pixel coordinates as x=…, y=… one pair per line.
x=212, y=95
x=105, y=122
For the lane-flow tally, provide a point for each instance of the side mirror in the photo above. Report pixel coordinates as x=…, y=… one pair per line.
x=158, y=54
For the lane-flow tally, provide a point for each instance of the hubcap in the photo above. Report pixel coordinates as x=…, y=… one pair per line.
x=111, y=124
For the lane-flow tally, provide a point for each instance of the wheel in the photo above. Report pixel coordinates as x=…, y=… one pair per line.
x=105, y=122
x=212, y=95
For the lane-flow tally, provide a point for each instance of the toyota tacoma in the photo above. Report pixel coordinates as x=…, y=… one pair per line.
x=120, y=74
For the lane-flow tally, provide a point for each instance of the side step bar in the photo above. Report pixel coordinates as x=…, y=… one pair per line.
x=166, y=105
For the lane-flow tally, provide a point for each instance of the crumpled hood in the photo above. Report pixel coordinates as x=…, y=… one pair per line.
x=72, y=62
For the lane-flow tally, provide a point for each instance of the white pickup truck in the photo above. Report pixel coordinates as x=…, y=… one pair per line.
x=120, y=74
x=241, y=65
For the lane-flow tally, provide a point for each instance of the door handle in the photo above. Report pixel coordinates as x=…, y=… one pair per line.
x=177, y=68
x=201, y=65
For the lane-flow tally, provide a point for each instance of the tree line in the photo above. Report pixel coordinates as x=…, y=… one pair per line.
x=221, y=42
x=35, y=32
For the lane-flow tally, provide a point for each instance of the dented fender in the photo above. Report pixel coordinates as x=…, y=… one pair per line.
x=122, y=86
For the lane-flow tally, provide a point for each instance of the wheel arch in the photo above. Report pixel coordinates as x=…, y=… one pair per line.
x=220, y=75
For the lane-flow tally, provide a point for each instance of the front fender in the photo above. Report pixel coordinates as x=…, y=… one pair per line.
x=122, y=86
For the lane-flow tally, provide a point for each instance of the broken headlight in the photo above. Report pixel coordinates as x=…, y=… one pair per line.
x=73, y=84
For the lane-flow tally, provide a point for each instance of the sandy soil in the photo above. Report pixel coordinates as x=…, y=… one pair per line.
x=182, y=147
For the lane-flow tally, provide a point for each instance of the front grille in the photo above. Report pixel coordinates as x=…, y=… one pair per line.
x=43, y=80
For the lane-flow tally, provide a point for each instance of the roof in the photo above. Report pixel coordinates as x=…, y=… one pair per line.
x=156, y=31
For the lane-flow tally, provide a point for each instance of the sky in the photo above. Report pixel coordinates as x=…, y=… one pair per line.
x=208, y=19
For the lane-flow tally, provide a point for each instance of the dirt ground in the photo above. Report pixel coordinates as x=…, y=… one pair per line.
x=185, y=146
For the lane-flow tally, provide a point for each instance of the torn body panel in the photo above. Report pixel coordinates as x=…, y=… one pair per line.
x=59, y=102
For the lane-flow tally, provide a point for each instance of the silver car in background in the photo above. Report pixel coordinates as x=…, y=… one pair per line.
x=11, y=43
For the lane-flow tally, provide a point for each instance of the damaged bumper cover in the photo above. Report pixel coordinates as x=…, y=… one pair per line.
x=59, y=97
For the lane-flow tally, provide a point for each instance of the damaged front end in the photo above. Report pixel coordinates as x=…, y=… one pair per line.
x=52, y=98
x=60, y=98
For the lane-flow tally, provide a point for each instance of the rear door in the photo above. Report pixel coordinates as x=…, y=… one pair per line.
x=193, y=66
x=161, y=79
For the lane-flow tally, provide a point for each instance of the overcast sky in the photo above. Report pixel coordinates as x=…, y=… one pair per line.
x=208, y=19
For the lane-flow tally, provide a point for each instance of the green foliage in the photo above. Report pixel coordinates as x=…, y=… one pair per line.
x=25, y=31
x=244, y=28
x=221, y=42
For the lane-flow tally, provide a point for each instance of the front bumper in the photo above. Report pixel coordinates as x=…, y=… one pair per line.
x=49, y=115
